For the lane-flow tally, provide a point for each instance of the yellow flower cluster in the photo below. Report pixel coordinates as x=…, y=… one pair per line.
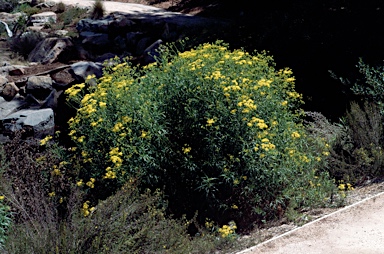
x=45, y=140
x=115, y=157
x=228, y=230
x=266, y=145
x=109, y=174
x=74, y=90
x=247, y=103
x=86, y=210
x=259, y=123
x=295, y=134
x=91, y=183
x=56, y=171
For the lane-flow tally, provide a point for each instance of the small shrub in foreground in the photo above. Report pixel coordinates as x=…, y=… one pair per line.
x=219, y=130
x=98, y=10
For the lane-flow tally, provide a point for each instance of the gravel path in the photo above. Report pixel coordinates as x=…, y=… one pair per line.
x=355, y=229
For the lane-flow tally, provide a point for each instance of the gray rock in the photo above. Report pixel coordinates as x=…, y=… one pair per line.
x=49, y=49
x=81, y=70
x=9, y=107
x=3, y=81
x=40, y=122
x=11, y=17
x=12, y=70
x=151, y=53
x=42, y=18
x=39, y=86
x=91, y=25
x=52, y=99
x=94, y=39
x=9, y=91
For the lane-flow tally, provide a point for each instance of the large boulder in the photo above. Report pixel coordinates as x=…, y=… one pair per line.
x=9, y=107
x=38, y=123
x=81, y=70
x=49, y=49
x=8, y=91
x=39, y=86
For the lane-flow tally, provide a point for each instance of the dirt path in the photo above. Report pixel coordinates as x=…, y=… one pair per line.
x=358, y=228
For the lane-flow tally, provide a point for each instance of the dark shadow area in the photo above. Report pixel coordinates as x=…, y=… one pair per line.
x=311, y=37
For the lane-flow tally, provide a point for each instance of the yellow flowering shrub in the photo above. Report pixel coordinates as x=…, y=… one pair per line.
x=213, y=127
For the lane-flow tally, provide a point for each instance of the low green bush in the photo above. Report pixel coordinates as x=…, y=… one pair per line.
x=25, y=43
x=98, y=10
x=219, y=131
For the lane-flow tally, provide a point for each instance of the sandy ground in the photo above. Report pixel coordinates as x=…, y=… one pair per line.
x=355, y=229
x=111, y=6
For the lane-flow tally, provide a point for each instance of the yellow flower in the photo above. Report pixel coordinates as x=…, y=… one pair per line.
x=52, y=194
x=56, y=172
x=143, y=134
x=236, y=181
x=2, y=197
x=295, y=134
x=91, y=182
x=102, y=104
x=80, y=183
x=325, y=153
x=80, y=139
x=234, y=206
x=45, y=140
x=284, y=103
x=186, y=149
x=210, y=121
x=118, y=126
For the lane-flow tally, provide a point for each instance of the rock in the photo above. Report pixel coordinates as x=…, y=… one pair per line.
x=13, y=70
x=52, y=99
x=81, y=70
x=42, y=18
x=39, y=86
x=40, y=122
x=9, y=107
x=95, y=26
x=62, y=79
x=11, y=17
x=9, y=91
x=96, y=40
x=61, y=33
x=142, y=45
x=49, y=49
x=151, y=53
x=3, y=80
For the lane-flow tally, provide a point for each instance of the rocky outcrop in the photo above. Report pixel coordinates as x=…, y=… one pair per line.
x=40, y=19
x=49, y=50
x=38, y=123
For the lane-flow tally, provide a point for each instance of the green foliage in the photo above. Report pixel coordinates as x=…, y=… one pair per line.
x=60, y=7
x=371, y=86
x=71, y=15
x=356, y=143
x=5, y=214
x=219, y=130
x=27, y=9
x=98, y=10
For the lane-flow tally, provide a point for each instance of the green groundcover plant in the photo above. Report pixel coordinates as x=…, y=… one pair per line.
x=219, y=131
